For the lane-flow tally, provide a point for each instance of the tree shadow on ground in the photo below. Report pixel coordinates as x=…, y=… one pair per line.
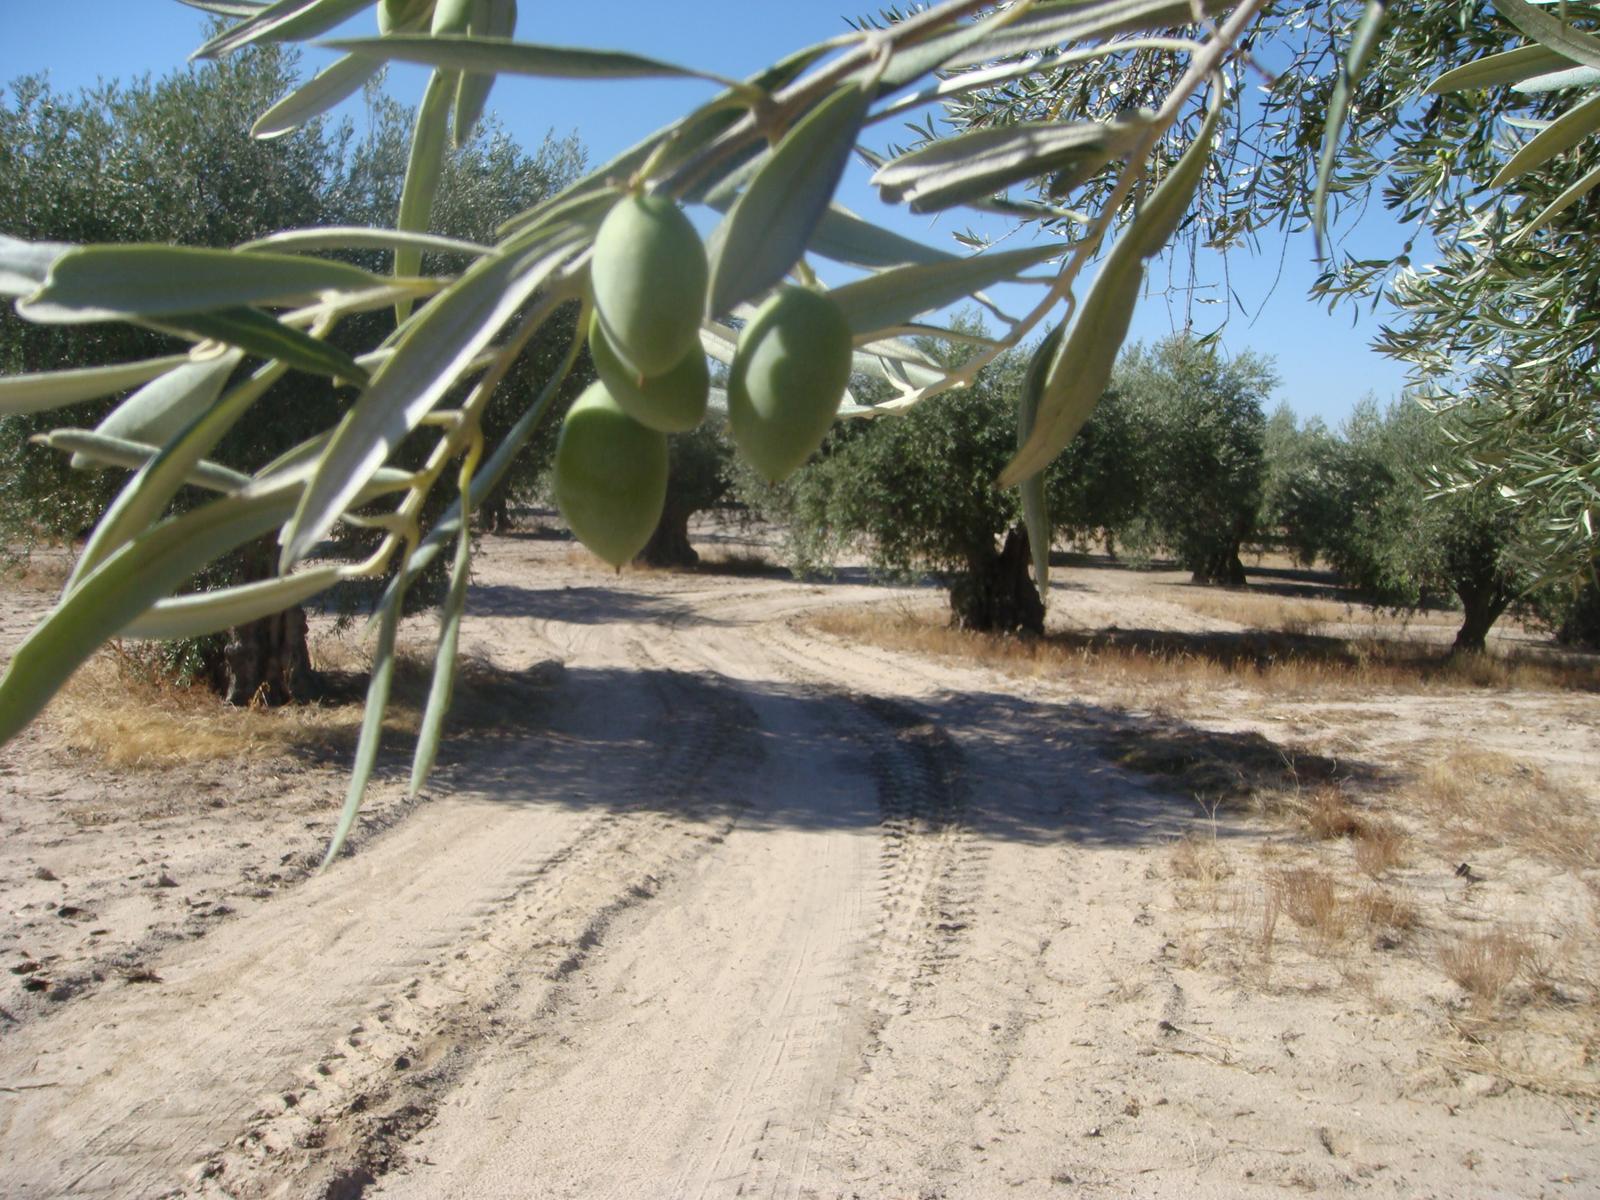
x=585, y=605
x=778, y=756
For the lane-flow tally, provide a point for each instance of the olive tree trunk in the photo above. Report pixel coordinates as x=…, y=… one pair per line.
x=267, y=662
x=997, y=594
x=669, y=544
x=1481, y=607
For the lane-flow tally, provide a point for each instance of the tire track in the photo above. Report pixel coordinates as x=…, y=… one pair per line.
x=519, y=897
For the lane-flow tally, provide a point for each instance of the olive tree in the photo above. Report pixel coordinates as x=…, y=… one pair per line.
x=765, y=153
x=1201, y=415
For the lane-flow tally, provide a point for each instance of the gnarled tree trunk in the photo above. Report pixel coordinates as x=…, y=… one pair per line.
x=997, y=595
x=669, y=544
x=1223, y=567
x=1481, y=608
x=267, y=661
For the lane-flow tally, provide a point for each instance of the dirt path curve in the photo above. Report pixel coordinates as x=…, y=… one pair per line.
x=761, y=915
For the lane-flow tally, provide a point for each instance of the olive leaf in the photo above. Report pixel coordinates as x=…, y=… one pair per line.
x=360, y=237
x=123, y=587
x=1048, y=25
x=1081, y=365
x=423, y=169
x=1509, y=66
x=769, y=225
x=502, y=55
x=24, y=265
x=1557, y=81
x=311, y=99
x=163, y=406
x=372, y=719
x=1362, y=43
x=1572, y=127
x=429, y=357
x=287, y=20
x=1580, y=47
x=255, y=332
x=57, y=389
x=493, y=18
x=1558, y=206
x=225, y=608
x=893, y=297
x=444, y=663
x=955, y=170
x=96, y=448
x=110, y=283
x=145, y=496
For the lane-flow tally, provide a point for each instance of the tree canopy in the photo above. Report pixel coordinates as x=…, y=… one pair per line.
x=1113, y=116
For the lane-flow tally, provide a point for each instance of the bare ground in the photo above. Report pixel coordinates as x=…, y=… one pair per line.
x=726, y=905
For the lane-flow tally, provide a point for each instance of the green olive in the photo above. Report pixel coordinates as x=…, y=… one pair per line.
x=404, y=16
x=788, y=376
x=610, y=476
x=451, y=16
x=649, y=274
x=671, y=403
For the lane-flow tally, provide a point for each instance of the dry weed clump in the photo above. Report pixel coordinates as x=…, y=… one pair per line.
x=1274, y=664
x=1485, y=965
x=118, y=712
x=1481, y=795
x=1380, y=847
x=1314, y=901
x=1265, y=612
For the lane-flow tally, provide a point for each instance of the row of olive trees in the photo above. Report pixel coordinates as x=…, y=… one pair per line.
x=1170, y=461
x=173, y=161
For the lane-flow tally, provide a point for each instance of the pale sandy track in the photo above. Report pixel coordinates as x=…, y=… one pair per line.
x=763, y=915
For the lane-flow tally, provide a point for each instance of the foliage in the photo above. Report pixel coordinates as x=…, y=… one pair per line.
x=1202, y=420
x=1503, y=324
x=1300, y=502
x=1405, y=541
x=766, y=153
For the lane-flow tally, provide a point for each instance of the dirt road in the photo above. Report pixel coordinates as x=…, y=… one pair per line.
x=756, y=914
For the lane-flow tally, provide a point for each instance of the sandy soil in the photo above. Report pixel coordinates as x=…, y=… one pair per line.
x=734, y=908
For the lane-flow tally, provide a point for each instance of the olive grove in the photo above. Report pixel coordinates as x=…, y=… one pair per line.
x=1109, y=117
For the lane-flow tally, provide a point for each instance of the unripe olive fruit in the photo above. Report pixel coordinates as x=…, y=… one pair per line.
x=451, y=16
x=788, y=376
x=649, y=274
x=671, y=403
x=404, y=16
x=610, y=476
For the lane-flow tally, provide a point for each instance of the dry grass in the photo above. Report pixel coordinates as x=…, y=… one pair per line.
x=1254, y=610
x=37, y=571
x=120, y=715
x=1329, y=815
x=1485, y=965
x=1314, y=901
x=1479, y=796
x=1380, y=847
x=1275, y=664
x=1388, y=913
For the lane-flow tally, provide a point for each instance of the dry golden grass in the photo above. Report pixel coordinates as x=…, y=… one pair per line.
x=1255, y=610
x=1485, y=965
x=38, y=571
x=119, y=714
x=1480, y=795
x=1380, y=847
x=1329, y=815
x=1387, y=911
x=1314, y=901
x=1272, y=664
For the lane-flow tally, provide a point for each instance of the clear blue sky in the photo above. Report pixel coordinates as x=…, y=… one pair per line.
x=1323, y=360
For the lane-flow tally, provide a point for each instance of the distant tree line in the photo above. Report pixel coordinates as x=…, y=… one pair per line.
x=173, y=161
